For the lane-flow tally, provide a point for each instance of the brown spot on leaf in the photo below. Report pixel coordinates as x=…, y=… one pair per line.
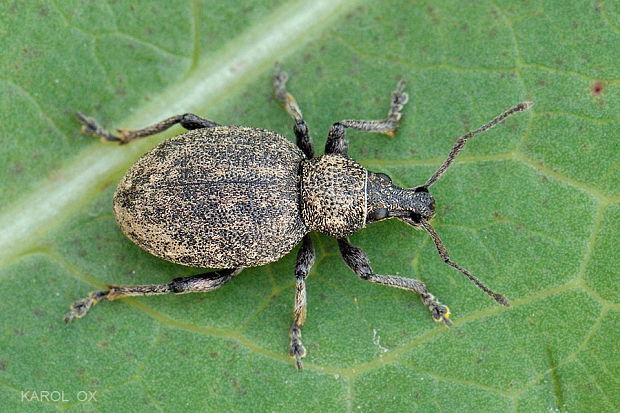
x=597, y=88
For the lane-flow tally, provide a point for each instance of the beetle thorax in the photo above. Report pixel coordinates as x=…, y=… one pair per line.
x=333, y=195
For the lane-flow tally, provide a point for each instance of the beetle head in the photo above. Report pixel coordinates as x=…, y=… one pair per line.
x=421, y=206
x=386, y=200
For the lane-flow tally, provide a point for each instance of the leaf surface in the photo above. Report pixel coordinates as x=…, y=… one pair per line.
x=530, y=207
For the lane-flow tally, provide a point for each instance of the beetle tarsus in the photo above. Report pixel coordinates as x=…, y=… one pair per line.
x=81, y=307
x=297, y=351
x=439, y=312
x=399, y=99
x=91, y=127
x=279, y=83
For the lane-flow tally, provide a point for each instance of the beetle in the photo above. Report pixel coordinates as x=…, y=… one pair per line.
x=231, y=197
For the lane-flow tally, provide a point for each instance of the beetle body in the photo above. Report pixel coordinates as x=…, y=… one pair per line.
x=221, y=197
x=231, y=197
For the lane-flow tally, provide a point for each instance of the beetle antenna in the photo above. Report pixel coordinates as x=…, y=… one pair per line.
x=443, y=253
x=460, y=142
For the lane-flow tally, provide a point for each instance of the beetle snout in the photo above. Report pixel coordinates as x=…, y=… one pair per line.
x=424, y=205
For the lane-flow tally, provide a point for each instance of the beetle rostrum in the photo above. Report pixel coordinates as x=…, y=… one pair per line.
x=232, y=197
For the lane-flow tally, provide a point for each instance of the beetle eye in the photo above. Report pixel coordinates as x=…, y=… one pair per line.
x=415, y=217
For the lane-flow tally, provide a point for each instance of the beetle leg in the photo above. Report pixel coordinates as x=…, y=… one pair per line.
x=195, y=284
x=189, y=121
x=358, y=261
x=336, y=142
x=305, y=260
x=302, y=135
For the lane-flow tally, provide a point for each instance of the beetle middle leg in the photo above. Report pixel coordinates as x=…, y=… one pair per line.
x=194, y=284
x=305, y=260
x=188, y=120
x=302, y=135
x=358, y=261
x=336, y=143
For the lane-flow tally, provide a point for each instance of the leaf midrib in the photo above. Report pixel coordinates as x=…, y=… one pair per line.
x=237, y=63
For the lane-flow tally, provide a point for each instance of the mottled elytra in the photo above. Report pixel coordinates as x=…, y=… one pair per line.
x=232, y=197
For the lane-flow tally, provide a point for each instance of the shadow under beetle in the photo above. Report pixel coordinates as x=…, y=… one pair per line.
x=233, y=196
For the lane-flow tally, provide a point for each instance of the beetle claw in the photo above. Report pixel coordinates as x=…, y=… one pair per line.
x=297, y=350
x=81, y=307
x=439, y=312
x=91, y=127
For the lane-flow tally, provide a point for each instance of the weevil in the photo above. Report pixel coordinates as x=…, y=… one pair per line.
x=232, y=197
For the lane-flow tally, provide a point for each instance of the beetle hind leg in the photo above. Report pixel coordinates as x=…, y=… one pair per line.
x=188, y=120
x=194, y=284
x=358, y=261
x=302, y=135
x=305, y=260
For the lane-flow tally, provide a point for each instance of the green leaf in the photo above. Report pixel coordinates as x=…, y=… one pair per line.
x=531, y=207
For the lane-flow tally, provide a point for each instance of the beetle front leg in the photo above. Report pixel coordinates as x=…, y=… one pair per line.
x=358, y=261
x=304, y=141
x=305, y=260
x=336, y=143
x=194, y=284
x=189, y=121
